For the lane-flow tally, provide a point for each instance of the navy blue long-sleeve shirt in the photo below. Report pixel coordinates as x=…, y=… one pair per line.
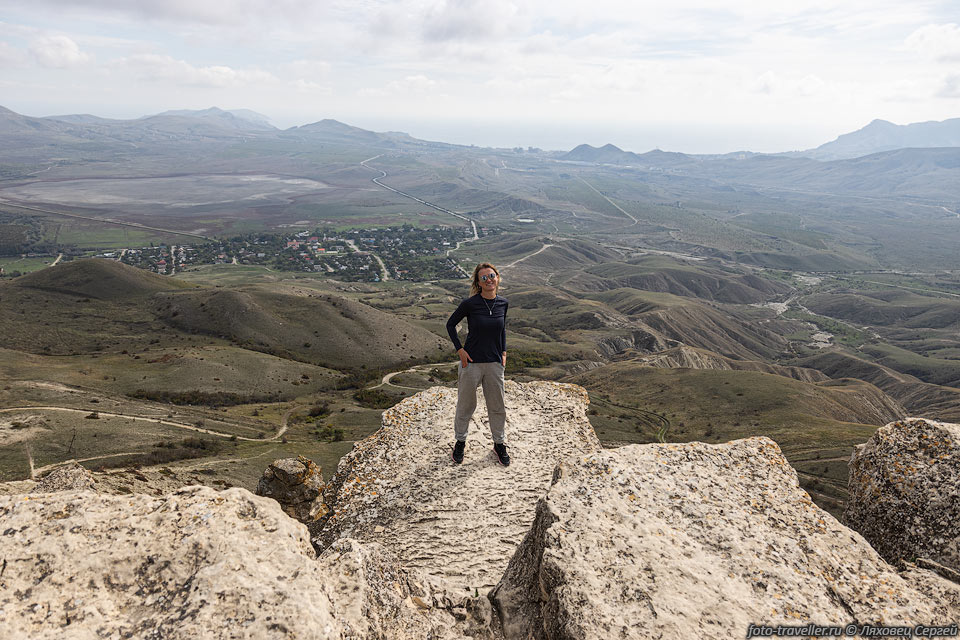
x=486, y=327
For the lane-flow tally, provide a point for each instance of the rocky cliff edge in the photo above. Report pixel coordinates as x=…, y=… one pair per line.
x=645, y=541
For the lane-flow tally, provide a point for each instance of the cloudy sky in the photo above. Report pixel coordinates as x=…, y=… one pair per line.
x=699, y=76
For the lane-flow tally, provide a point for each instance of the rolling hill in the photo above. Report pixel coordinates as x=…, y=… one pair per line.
x=100, y=279
x=327, y=330
x=88, y=306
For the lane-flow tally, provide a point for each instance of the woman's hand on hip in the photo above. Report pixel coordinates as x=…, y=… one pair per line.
x=464, y=357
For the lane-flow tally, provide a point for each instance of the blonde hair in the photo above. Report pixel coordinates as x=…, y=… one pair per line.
x=475, y=284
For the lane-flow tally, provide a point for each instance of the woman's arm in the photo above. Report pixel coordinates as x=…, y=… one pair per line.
x=452, y=323
x=503, y=335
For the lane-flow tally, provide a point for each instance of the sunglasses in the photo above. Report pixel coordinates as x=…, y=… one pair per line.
x=489, y=276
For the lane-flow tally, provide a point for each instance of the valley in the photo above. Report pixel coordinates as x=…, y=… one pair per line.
x=695, y=297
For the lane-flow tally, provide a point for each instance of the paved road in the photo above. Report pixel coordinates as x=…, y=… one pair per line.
x=415, y=198
x=353, y=245
x=383, y=174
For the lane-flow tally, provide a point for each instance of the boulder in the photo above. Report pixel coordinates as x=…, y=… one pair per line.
x=199, y=563
x=68, y=477
x=904, y=487
x=296, y=483
x=698, y=541
x=459, y=524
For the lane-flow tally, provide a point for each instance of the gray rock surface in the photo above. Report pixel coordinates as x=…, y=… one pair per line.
x=904, y=491
x=698, y=541
x=457, y=523
x=204, y=564
x=297, y=484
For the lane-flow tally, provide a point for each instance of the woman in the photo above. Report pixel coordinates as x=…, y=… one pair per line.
x=482, y=359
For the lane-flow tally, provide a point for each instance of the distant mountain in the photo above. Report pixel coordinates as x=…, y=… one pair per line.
x=14, y=123
x=881, y=135
x=331, y=131
x=27, y=140
x=335, y=129
x=607, y=154
x=933, y=171
x=612, y=154
x=81, y=118
x=242, y=119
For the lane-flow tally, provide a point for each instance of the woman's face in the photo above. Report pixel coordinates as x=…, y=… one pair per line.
x=488, y=280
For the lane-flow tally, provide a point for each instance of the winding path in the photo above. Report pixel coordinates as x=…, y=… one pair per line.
x=34, y=471
x=529, y=255
x=169, y=423
x=387, y=378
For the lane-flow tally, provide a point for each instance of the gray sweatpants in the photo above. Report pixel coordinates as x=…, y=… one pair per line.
x=490, y=375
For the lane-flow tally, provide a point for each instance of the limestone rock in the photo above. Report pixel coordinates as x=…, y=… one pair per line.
x=697, y=541
x=67, y=477
x=203, y=564
x=296, y=483
x=155, y=481
x=457, y=523
x=904, y=487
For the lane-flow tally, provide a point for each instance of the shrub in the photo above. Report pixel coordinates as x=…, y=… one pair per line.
x=319, y=410
x=374, y=398
x=327, y=433
x=170, y=451
x=202, y=398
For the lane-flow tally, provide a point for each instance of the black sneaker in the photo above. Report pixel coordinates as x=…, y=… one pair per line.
x=458, y=451
x=502, y=455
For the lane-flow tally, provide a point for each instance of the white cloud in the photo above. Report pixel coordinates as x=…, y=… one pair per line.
x=936, y=41
x=950, y=87
x=775, y=84
x=414, y=84
x=372, y=92
x=154, y=67
x=616, y=61
x=10, y=56
x=308, y=86
x=466, y=20
x=417, y=83
x=307, y=68
x=208, y=12
x=57, y=52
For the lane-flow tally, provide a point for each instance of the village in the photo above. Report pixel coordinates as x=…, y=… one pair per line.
x=368, y=255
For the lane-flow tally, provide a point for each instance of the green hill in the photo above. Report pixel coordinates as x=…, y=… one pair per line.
x=101, y=279
x=655, y=273
x=322, y=329
x=888, y=308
